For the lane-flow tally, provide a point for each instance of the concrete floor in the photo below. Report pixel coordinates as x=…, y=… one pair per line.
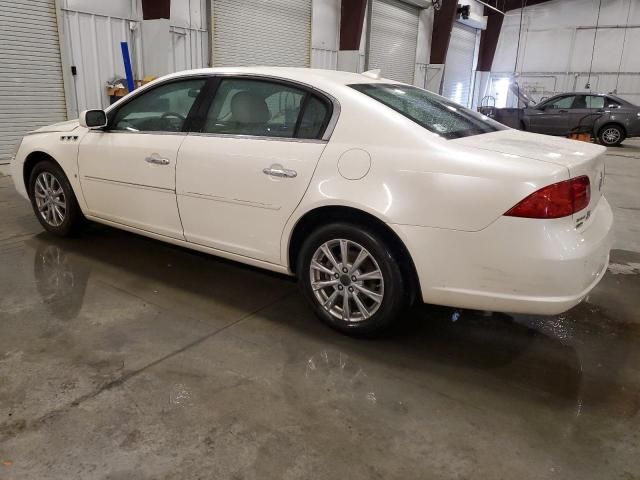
x=124, y=358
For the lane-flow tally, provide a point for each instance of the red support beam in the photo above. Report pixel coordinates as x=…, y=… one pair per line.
x=351, y=23
x=489, y=41
x=155, y=9
x=442, y=23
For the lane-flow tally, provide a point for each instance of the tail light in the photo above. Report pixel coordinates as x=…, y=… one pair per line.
x=554, y=201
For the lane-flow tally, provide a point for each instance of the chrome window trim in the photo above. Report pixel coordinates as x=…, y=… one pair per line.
x=239, y=136
x=326, y=136
x=141, y=132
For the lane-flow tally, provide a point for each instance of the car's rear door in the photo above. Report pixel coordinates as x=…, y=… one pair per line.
x=240, y=178
x=553, y=119
x=583, y=112
x=127, y=170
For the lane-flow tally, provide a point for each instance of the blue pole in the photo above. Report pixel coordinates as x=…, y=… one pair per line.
x=127, y=66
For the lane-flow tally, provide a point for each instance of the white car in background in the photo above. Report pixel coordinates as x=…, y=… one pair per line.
x=373, y=193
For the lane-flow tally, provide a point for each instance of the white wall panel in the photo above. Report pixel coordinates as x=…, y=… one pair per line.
x=325, y=33
x=110, y=8
x=93, y=30
x=557, y=43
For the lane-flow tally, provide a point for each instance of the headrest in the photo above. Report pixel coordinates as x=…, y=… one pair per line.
x=247, y=107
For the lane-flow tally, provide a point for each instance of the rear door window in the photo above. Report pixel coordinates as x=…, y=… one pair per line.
x=595, y=101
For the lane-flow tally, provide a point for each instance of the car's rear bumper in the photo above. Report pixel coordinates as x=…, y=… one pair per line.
x=514, y=265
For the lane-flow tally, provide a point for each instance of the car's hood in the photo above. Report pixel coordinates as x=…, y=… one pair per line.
x=557, y=150
x=67, y=126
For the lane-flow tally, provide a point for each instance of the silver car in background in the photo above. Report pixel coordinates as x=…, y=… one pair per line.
x=608, y=118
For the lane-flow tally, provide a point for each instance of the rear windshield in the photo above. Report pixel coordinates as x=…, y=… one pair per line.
x=433, y=112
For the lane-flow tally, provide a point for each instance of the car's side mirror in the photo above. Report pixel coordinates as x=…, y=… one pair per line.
x=93, y=119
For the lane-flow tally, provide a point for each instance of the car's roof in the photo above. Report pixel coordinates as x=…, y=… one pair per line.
x=305, y=75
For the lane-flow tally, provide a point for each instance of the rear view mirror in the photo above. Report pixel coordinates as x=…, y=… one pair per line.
x=93, y=119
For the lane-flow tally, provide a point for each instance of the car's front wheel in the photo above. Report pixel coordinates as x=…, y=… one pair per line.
x=53, y=200
x=352, y=278
x=611, y=135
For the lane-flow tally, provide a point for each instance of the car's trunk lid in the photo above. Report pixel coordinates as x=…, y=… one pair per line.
x=580, y=158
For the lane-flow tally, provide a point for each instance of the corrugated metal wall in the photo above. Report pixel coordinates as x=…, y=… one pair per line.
x=262, y=32
x=394, y=39
x=93, y=32
x=31, y=85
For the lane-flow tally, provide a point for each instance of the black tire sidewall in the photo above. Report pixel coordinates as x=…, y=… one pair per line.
x=73, y=214
x=395, y=296
x=602, y=130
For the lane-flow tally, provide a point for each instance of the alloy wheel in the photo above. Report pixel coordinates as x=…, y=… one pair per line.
x=346, y=280
x=611, y=136
x=50, y=199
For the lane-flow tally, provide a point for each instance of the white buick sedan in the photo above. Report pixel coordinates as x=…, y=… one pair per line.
x=373, y=193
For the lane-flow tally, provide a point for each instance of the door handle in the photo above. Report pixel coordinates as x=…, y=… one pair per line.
x=157, y=159
x=564, y=111
x=277, y=170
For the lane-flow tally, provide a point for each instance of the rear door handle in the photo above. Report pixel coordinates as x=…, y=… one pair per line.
x=157, y=159
x=277, y=170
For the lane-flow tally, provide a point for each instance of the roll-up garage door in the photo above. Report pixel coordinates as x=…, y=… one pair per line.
x=262, y=32
x=458, y=69
x=393, y=40
x=31, y=86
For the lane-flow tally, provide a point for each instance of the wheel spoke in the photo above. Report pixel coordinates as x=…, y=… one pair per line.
x=317, y=266
x=39, y=193
x=362, y=256
x=42, y=206
x=326, y=283
x=346, y=311
x=331, y=301
x=59, y=212
x=360, y=305
x=59, y=203
x=40, y=185
x=372, y=295
x=344, y=252
x=375, y=275
x=329, y=255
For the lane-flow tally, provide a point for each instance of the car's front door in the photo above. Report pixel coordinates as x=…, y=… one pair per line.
x=241, y=177
x=552, y=118
x=127, y=171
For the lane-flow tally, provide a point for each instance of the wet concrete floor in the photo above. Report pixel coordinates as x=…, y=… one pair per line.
x=125, y=358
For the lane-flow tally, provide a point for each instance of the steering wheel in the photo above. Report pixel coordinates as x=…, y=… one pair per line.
x=173, y=114
x=168, y=117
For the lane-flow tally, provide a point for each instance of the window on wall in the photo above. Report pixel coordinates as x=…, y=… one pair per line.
x=162, y=109
x=265, y=109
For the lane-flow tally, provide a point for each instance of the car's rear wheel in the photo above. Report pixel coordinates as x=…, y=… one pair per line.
x=352, y=279
x=53, y=200
x=611, y=135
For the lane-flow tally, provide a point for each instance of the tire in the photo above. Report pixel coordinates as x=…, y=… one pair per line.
x=611, y=135
x=366, y=314
x=61, y=215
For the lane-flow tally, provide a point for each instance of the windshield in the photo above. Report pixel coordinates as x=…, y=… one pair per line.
x=433, y=112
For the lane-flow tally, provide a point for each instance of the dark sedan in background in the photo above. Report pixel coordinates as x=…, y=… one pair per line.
x=608, y=118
